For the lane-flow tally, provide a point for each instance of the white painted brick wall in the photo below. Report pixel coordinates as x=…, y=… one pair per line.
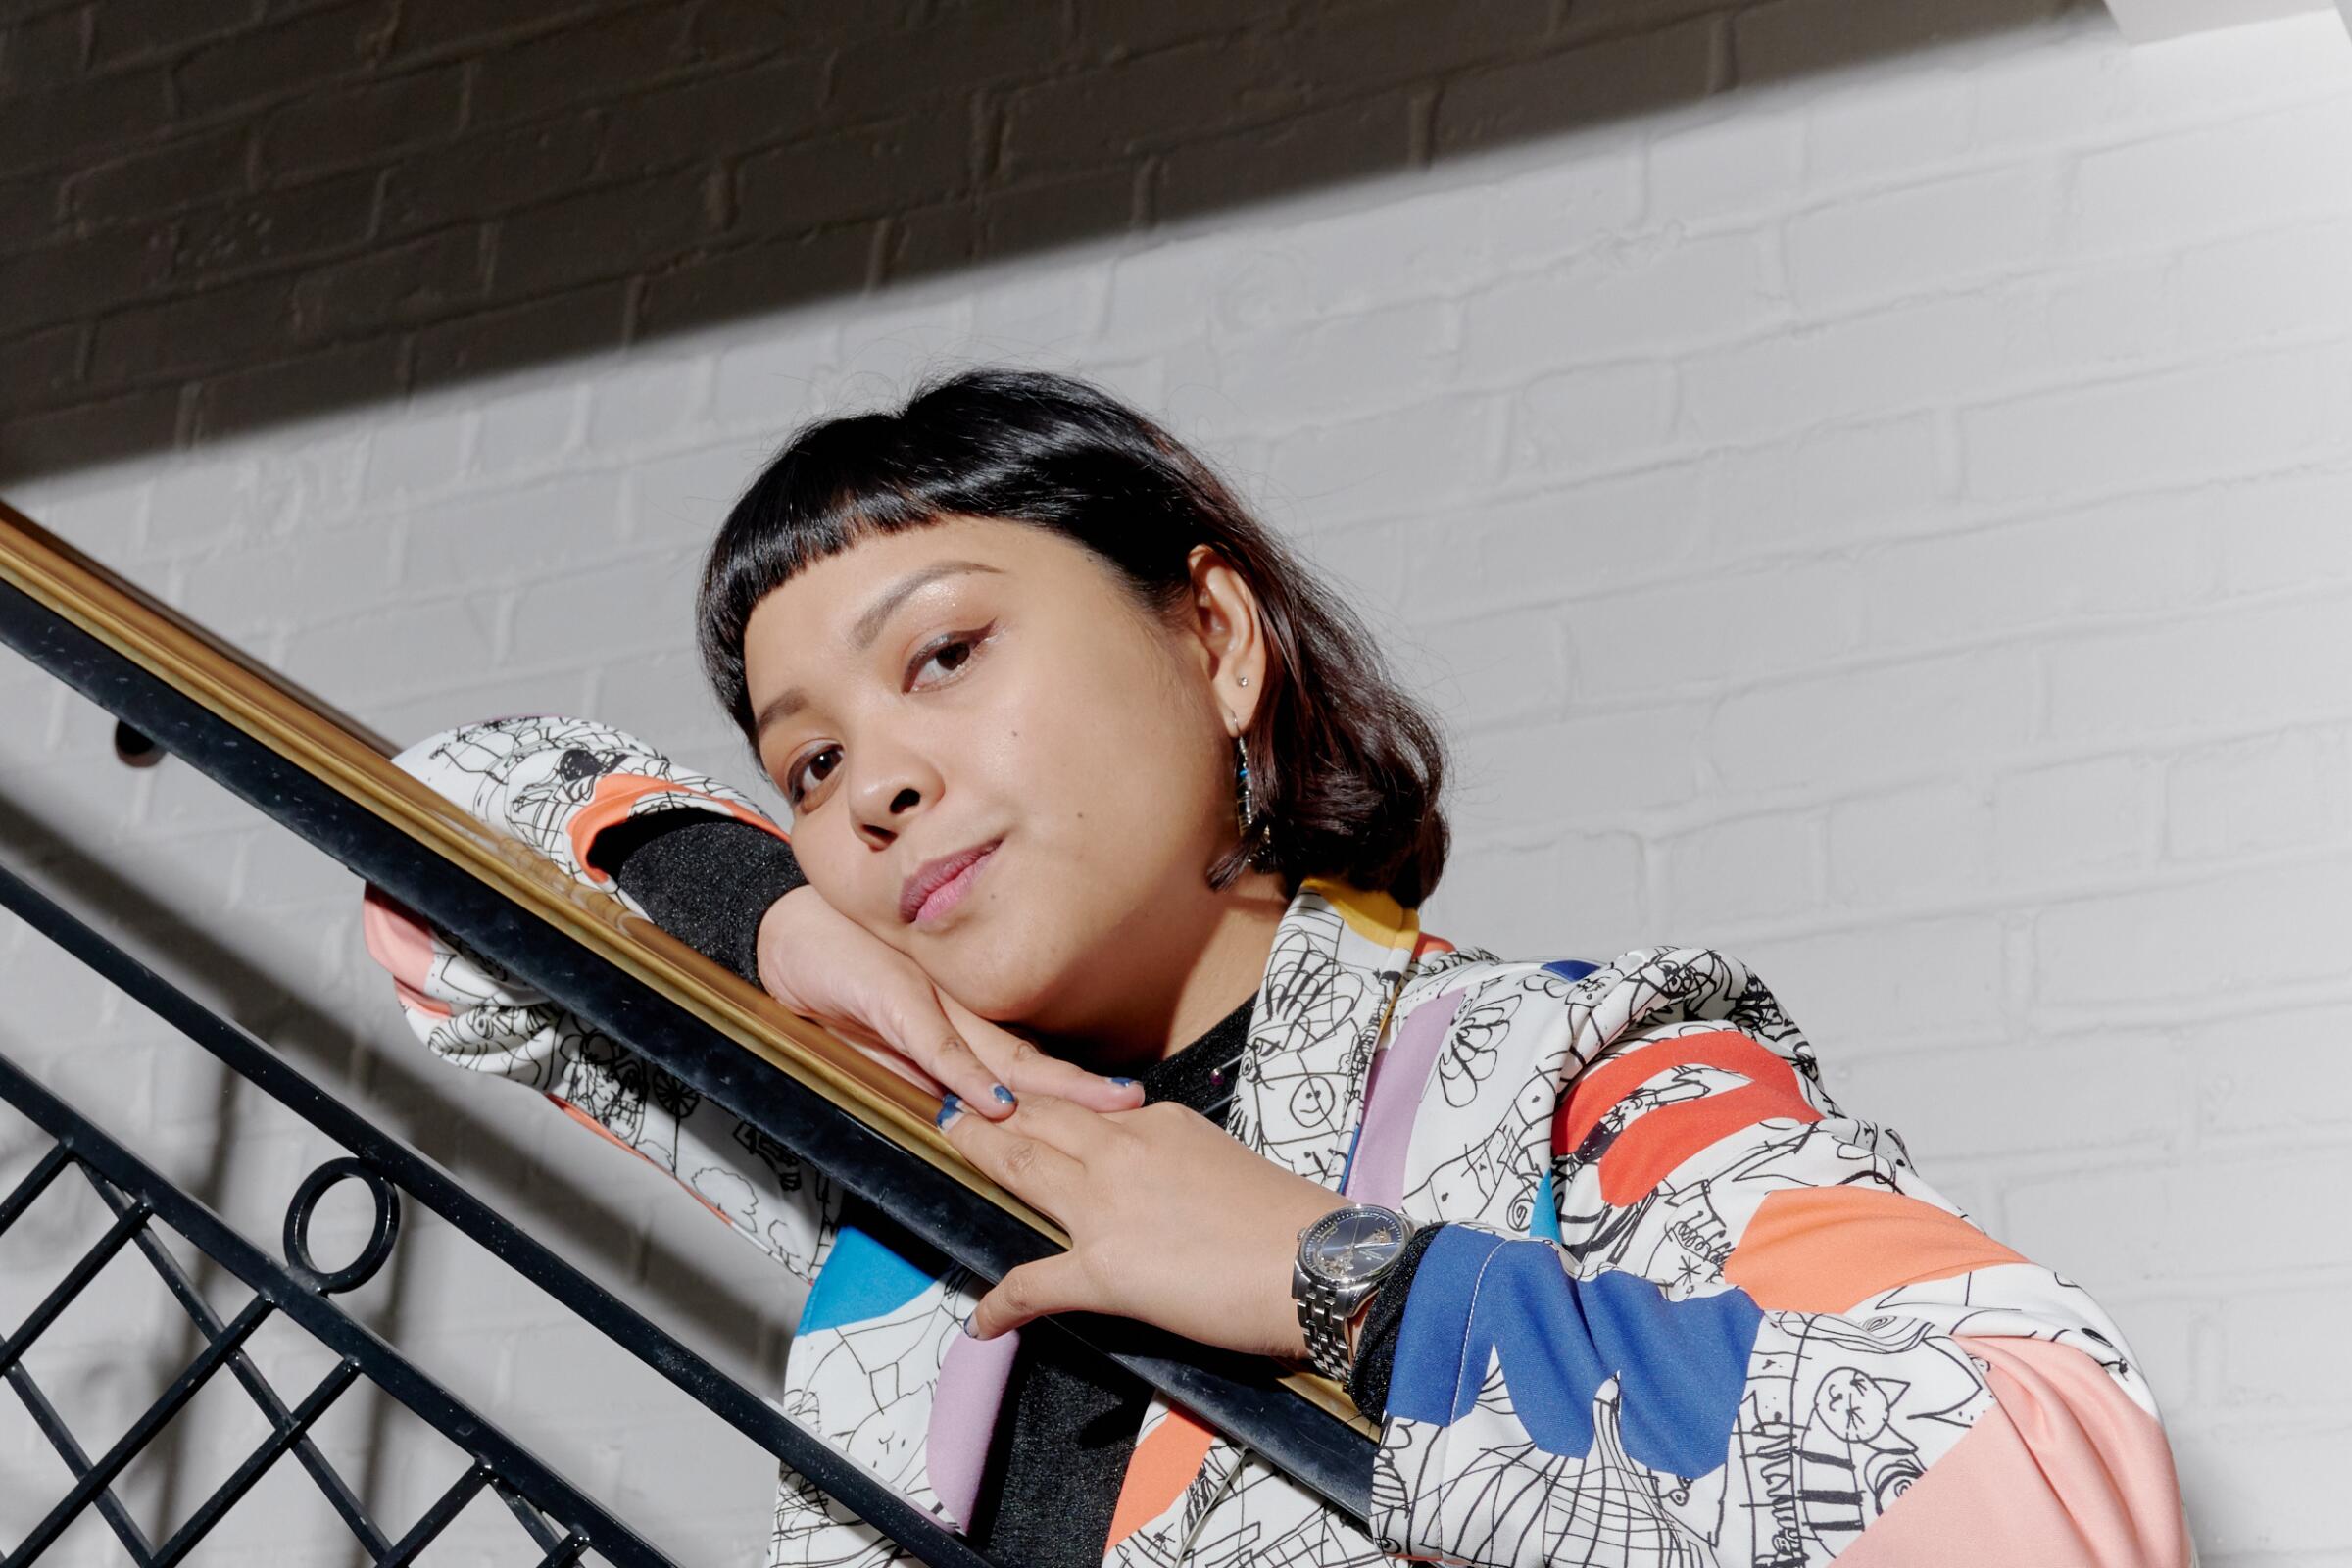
x=1896, y=527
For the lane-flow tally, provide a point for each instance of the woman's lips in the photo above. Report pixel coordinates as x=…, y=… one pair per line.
x=935, y=889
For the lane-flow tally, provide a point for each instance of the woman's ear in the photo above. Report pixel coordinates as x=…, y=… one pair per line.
x=1233, y=645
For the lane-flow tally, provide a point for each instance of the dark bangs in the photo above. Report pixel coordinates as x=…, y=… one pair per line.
x=1348, y=766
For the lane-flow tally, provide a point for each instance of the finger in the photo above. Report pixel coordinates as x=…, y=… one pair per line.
x=1056, y=1284
x=1016, y=1159
x=1030, y=1070
x=917, y=1027
x=871, y=1045
x=1083, y=1135
x=898, y=1064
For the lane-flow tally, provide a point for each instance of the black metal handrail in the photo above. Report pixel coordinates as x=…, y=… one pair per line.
x=942, y=1207
x=388, y=1167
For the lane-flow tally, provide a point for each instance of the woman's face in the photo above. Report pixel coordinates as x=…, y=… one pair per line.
x=979, y=685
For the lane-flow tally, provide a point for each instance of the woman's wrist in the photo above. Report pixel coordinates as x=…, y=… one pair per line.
x=765, y=935
x=1314, y=1200
x=777, y=902
x=1296, y=1347
x=1377, y=1328
x=707, y=880
x=1353, y=1328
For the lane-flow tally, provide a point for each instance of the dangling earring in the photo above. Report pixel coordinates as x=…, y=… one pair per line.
x=1248, y=809
x=1248, y=805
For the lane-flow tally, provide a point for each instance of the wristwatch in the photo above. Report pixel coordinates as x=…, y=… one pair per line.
x=1342, y=1259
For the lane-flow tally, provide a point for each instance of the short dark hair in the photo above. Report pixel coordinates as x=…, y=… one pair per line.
x=1346, y=768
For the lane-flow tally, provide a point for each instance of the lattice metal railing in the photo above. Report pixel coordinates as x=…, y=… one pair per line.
x=139, y=1196
x=139, y=1200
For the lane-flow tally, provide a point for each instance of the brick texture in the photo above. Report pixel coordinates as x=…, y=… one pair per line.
x=1887, y=522
x=564, y=176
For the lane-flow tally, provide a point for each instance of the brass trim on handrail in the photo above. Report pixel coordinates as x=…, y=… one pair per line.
x=356, y=762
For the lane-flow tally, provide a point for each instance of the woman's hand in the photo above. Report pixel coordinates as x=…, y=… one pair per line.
x=828, y=968
x=1171, y=1222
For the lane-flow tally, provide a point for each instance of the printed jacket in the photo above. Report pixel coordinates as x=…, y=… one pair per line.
x=1686, y=1312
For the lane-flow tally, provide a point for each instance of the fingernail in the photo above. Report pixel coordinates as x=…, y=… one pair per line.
x=1124, y=1083
x=968, y=1325
x=949, y=1104
x=1005, y=1095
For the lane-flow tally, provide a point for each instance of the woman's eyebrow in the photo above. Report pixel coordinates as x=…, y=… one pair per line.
x=869, y=623
x=866, y=627
x=788, y=701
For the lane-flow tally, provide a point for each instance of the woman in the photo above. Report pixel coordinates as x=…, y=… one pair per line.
x=1102, y=820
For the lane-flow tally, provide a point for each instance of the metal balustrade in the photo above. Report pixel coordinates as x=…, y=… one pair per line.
x=326, y=779
x=140, y=1198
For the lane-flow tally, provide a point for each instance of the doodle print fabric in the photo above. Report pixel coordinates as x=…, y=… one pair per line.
x=1684, y=1309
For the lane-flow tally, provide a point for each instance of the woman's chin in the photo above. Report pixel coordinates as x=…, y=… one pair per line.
x=1003, y=961
x=996, y=986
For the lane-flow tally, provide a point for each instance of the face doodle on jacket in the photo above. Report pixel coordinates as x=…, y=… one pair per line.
x=1852, y=1464
x=1853, y=1404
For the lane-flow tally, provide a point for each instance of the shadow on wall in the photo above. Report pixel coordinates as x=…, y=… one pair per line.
x=217, y=216
x=713, y=1314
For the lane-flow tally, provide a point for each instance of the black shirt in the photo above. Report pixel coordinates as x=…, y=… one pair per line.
x=1068, y=1423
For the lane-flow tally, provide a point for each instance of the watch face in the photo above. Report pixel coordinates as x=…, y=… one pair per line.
x=1352, y=1245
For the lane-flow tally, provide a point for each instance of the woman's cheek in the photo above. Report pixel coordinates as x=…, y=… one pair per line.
x=842, y=891
x=992, y=979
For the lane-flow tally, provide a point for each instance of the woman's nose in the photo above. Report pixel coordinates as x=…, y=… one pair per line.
x=885, y=802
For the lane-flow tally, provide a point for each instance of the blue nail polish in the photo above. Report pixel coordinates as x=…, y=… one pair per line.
x=1005, y=1095
x=1124, y=1083
x=949, y=1104
x=968, y=1326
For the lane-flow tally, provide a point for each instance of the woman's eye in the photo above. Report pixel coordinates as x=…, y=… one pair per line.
x=794, y=782
x=951, y=654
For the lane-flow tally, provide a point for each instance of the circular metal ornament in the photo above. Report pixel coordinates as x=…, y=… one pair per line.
x=361, y=1269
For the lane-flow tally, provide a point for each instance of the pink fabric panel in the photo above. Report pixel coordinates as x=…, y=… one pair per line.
x=397, y=941
x=1392, y=1095
x=394, y=939
x=963, y=1414
x=2065, y=1469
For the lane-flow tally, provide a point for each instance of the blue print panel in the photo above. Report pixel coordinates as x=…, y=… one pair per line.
x=1682, y=1367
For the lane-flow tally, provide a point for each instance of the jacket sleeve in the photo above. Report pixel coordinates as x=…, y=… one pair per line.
x=563, y=786
x=1735, y=1326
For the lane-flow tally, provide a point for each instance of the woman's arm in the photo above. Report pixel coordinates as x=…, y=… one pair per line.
x=705, y=880
x=599, y=802
x=701, y=861
x=1734, y=1326
x=1740, y=1327
x=596, y=801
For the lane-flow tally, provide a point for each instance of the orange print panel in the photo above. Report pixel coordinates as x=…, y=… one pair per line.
x=430, y=1005
x=1162, y=1466
x=1825, y=1249
x=1648, y=1150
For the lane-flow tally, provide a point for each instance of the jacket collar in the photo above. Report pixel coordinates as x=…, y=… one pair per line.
x=1339, y=957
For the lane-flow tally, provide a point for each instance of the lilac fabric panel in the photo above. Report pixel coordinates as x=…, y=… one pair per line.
x=1399, y=1074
